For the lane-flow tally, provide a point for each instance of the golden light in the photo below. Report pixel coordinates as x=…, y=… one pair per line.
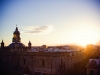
x=85, y=35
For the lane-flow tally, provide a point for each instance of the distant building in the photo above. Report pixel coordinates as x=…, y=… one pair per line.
x=92, y=50
x=41, y=60
x=93, y=66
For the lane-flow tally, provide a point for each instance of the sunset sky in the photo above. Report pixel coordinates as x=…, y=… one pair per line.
x=51, y=22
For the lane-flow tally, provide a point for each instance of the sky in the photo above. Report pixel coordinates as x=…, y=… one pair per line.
x=51, y=22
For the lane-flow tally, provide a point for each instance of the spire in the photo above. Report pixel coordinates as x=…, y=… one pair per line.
x=2, y=44
x=29, y=42
x=16, y=28
x=2, y=41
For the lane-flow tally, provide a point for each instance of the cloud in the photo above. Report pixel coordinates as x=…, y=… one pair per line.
x=37, y=30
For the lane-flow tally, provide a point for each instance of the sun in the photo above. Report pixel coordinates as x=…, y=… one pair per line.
x=85, y=35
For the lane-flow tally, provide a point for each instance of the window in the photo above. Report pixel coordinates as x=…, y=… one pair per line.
x=93, y=63
x=98, y=72
x=91, y=72
x=43, y=63
x=24, y=60
x=61, y=61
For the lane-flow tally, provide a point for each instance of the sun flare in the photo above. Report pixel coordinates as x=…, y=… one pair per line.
x=85, y=35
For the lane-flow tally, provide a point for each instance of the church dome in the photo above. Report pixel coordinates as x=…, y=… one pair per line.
x=16, y=44
x=16, y=40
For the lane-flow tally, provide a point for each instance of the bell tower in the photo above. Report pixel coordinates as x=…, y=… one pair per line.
x=29, y=44
x=2, y=44
x=16, y=35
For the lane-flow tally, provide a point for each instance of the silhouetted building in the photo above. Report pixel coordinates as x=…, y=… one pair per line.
x=40, y=60
x=29, y=45
x=92, y=50
x=2, y=44
x=93, y=66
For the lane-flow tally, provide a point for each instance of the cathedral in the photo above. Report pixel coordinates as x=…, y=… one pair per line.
x=41, y=60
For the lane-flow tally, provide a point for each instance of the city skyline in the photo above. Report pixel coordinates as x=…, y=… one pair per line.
x=50, y=22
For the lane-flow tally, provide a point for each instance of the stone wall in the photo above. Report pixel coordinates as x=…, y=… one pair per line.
x=43, y=62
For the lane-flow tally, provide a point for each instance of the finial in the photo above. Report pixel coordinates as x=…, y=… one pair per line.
x=16, y=25
x=16, y=28
x=29, y=41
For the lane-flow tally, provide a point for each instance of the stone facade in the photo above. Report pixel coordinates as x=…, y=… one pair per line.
x=43, y=62
x=38, y=60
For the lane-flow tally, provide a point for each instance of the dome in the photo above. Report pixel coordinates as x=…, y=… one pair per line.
x=16, y=44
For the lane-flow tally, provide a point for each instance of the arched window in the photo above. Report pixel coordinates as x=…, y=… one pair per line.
x=93, y=63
